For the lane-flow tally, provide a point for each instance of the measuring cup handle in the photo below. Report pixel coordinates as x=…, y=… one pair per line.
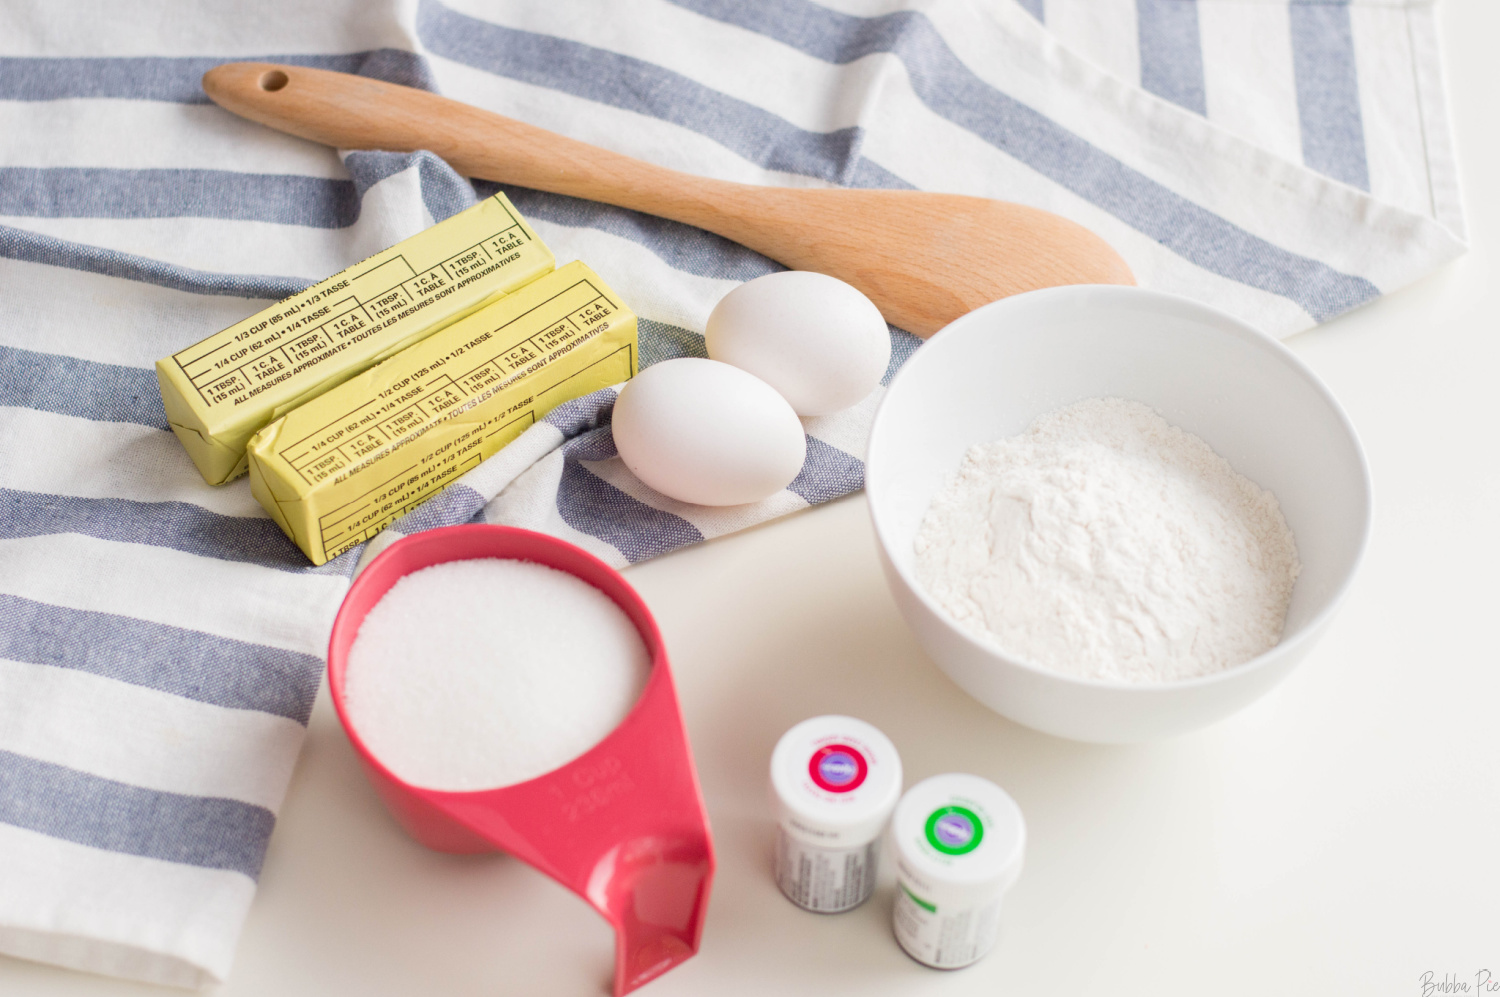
x=623, y=825
x=654, y=862
x=654, y=890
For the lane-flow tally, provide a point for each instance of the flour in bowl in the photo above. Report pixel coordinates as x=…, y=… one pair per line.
x=1106, y=543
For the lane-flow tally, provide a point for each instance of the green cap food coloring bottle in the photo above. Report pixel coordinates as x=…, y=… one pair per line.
x=959, y=842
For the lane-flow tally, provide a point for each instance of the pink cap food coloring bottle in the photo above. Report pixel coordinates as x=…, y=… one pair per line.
x=834, y=782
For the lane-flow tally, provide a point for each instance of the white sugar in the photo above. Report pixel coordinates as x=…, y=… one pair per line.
x=484, y=673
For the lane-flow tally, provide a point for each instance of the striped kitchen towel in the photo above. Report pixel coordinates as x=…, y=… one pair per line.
x=161, y=642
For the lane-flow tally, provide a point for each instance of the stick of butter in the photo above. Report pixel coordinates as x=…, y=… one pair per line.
x=219, y=392
x=334, y=471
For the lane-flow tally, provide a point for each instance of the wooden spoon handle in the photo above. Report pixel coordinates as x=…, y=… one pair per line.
x=355, y=112
x=923, y=258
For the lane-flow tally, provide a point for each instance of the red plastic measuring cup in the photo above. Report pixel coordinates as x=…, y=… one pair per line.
x=623, y=825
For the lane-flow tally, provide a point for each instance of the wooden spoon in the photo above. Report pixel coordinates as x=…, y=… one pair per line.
x=923, y=258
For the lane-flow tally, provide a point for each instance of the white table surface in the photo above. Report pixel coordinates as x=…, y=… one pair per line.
x=1341, y=836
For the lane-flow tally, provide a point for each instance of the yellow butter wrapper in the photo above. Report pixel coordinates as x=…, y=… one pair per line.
x=335, y=471
x=219, y=392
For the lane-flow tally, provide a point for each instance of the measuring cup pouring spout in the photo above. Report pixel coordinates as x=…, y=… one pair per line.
x=622, y=825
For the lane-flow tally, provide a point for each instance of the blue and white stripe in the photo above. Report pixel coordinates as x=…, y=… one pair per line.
x=1286, y=76
x=161, y=641
x=1323, y=59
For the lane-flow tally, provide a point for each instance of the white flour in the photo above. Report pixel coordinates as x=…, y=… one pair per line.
x=1106, y=543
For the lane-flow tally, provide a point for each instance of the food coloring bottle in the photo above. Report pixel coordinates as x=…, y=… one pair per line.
x=834, y=782
x=959, y=842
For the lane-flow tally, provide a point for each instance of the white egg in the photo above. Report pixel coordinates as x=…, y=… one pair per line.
x=812, y=337
x=705, y=432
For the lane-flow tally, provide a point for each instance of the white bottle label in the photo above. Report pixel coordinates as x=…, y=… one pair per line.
x=825, y=880
x=944, y=938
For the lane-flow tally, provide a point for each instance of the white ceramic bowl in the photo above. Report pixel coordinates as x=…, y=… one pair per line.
x=991, y=373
